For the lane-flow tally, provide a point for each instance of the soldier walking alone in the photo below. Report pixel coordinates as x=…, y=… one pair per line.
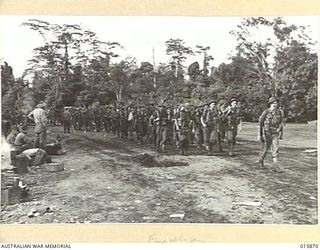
x=270, y=131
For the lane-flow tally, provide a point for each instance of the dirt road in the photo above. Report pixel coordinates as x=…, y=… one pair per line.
x=105, y=182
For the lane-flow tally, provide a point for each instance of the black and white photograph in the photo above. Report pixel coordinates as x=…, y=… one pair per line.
x=159, y=119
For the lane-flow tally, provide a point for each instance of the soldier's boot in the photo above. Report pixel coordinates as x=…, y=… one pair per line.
x=277, y=168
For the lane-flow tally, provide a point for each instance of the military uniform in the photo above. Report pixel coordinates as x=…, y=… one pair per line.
x=270, y=131
x=123, y=122
x=97, y=119
x=197, y=127
x=139, y=126
x=231, y=128
x=66, y=121
x=211, y=119
x=170, y=126
x=223, y=121
x=152, y=130
x=40, y=129
x=183, y=125
x=85, y=118
x=130, y=122
x=77, y=119
x=161, y=121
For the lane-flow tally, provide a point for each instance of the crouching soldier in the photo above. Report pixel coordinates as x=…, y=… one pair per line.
x=270, y=131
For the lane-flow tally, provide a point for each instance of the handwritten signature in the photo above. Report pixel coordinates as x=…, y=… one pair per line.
x=154, y=238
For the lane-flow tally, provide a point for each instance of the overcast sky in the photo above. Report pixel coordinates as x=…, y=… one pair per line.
x=137, y=34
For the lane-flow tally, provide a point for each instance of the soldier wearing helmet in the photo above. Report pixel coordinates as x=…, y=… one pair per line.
x=210, y=122
x=271, y=124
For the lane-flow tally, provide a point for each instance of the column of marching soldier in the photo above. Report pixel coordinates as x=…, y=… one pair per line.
x=205, y=125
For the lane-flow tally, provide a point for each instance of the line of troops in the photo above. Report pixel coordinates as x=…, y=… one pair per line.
x=208, y=124
x=205, y=125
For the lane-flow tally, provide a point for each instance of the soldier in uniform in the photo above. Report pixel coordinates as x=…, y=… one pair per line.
x=13, y=134
x=148, y=114
x=77, y=119
x=50, y=116
x=270, y=132
x=145, y=122
x=123, y=122
x=139, y=119
x=85, y=118
x=116, y=118
x=161, y=121
x=66, y=121
x=183, y=125
x=130, y=122
x=101, y=112
x=170, y=125
x=232, y=117
x=153, y=129
x=176, y=114
x=38, y=115
x=90, y=117
x=188, y=109
x=223, y=120
x=97, y=118
x=197, y=127
x=210, y=122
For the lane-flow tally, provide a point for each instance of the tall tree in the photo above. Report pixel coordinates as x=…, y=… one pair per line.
x=276, y=67
x=206, y=57
x=179, y=52
x=67, y=49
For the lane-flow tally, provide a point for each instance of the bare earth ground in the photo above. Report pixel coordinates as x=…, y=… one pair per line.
x=103, y=182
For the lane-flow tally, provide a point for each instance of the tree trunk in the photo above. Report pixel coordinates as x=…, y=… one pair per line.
x=204, y=61
x=66, y=62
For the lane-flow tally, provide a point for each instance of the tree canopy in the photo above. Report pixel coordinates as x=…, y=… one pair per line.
x=74, y=67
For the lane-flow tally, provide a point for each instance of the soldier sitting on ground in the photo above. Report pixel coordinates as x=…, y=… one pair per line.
x=23, y=146
x=12, y=135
